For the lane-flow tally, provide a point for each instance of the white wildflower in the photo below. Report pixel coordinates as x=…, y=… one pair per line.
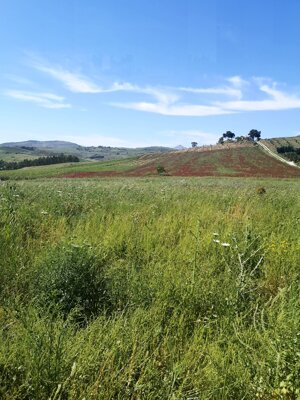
x=216, y=241
x=225, y=244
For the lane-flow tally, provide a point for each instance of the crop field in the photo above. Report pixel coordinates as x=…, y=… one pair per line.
x=150, y=288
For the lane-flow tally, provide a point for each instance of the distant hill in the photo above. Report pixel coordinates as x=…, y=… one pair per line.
x=51, y=144
x=30, y=149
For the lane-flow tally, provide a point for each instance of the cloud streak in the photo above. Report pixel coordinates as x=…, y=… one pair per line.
x=74, y=82
x=45, y=100
x=236, y=95
x=273, y=100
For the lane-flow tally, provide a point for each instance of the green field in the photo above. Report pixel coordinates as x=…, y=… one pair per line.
x=143, y=288
x=247, y=160
x=47, y=171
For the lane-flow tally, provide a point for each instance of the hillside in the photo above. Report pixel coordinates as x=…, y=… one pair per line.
x=246, y=160
x=274, y=143
x=16, y=151
x=285, y=147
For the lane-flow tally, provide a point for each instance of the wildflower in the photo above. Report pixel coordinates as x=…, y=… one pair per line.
x=225, y=244
x=44, y=212
x=215, y=234
x=216, y=241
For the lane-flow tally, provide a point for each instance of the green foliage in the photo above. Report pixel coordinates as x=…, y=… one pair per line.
x=254, y=134
x=49, y=160
x=72, y=277
x=228, y=135
x=160, y=170
x=260, y=190
x=185, y=288
x=290, y=152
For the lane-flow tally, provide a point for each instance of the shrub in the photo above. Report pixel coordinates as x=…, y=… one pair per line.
x=261, y=190
x=73, y=278
x=160, y=170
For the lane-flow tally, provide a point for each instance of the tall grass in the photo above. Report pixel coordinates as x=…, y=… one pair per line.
x=150, y=289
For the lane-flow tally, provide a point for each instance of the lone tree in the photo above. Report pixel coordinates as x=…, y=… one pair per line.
x=194, y=144
x=254, y=134
x=228, y=135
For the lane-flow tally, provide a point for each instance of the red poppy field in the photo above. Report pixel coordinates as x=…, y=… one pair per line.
x=231, y=162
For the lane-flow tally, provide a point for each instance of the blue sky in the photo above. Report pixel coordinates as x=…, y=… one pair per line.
x=138, y=72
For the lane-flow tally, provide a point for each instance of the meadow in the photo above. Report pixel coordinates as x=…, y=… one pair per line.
x=150, y=288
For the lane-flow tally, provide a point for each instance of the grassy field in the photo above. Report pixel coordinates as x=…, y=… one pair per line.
x=48, y=171
x=142, y=288
x=235, y=161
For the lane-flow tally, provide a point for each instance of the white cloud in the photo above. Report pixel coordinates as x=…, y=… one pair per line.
x=273, y=100
x=277, y=100
x=79, y=83
x=46, y=100
x=74, y=82
x=237, y=81
x=180, y=101
x=183, y=110
x=227, y=91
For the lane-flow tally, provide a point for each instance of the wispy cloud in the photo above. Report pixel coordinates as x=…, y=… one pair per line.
x=46, y=100
x=267, y=98
x=183, y=110
x=235, y=95
x=79, y=83
x=226, y=91
x=73, y=81
x=276, y=100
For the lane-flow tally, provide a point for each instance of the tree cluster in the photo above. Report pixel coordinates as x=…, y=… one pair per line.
x=55, y=159
x=229, y=136
x=290, y=152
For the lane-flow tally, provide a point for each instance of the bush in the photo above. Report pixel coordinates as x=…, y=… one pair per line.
x=261, y=190
x=73, y=278
x=160, y=170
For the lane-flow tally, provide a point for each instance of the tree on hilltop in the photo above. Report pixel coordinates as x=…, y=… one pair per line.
x=228, y=135
x=194, y=144
x=254, y=134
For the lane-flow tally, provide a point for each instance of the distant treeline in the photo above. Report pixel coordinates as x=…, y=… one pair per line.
x=290, y=152
x=56, y=159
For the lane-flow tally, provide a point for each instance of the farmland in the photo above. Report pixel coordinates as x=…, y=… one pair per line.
x=149, y=288
x=234, y=160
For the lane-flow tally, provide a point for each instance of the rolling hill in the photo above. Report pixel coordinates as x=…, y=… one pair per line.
x=16, y=151
x=286, y=147
x=230, y=160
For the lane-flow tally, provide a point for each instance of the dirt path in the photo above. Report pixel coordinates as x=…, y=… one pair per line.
x=291, y=163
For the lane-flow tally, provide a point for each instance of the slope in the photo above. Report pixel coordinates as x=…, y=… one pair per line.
x=247, y=160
